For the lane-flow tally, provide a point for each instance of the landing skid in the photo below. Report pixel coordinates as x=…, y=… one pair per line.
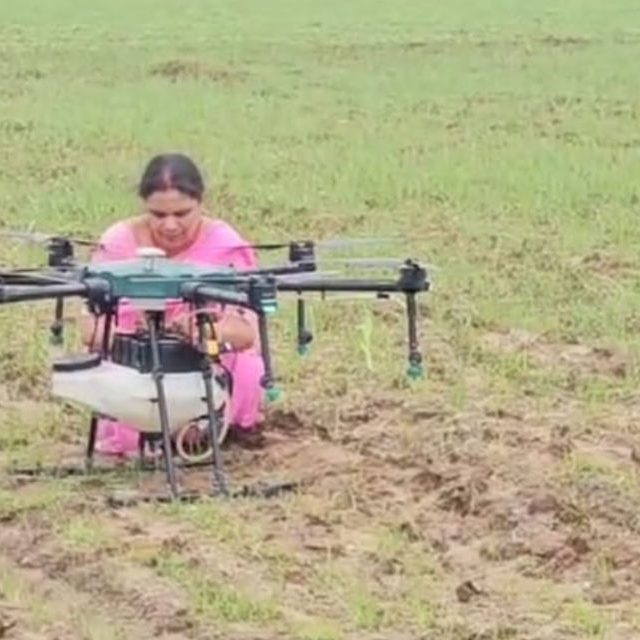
x=71, y=470
x=123, y=499
x=259, y=490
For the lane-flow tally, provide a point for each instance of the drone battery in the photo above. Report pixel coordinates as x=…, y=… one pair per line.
x=176, y=355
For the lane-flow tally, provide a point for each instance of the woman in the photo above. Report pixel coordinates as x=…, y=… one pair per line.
x=174, y=220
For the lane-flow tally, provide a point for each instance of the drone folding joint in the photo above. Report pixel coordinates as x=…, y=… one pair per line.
x=98, y=295
x=262, y=294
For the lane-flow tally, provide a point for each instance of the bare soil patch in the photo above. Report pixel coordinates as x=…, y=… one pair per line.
x=577, y=358
x=478, y=500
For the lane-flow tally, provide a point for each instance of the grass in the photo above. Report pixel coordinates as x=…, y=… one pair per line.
x=83, y=533
x=498, y=138
x=214, y=599
x=588, y=620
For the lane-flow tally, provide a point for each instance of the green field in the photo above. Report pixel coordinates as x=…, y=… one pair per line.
x=496, y=499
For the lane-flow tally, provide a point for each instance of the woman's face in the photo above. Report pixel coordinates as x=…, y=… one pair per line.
x=174, y=219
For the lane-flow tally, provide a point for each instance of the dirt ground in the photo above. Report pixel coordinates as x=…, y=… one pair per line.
x=515, y=521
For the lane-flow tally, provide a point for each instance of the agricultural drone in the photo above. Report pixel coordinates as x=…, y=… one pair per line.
x=154, y=378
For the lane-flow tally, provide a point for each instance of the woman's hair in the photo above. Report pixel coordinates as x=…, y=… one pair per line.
x=171, y=171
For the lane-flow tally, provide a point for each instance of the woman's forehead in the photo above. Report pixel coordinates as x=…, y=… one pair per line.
x=170, y=201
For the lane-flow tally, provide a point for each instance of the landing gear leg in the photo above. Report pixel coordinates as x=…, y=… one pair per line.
x=154, y=320
x=213, y=421
x=91, y=442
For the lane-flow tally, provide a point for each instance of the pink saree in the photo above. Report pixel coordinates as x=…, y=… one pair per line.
x=218, y=244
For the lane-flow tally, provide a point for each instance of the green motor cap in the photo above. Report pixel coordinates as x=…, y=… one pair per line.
x=274, y=394
x=415, y=371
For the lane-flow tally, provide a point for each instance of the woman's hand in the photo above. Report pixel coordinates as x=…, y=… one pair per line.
x=233, y=329
x=237, y=331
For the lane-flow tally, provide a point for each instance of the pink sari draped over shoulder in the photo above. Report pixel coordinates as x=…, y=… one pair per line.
x=217, y=245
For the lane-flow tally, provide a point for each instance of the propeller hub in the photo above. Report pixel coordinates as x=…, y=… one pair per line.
x=303, y=253
x=60, y=252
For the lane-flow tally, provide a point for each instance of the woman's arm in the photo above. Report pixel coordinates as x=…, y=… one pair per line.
x=235, y=329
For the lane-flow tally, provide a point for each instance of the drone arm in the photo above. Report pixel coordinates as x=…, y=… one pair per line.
x=342, y=285
x=234, y=328
x=257, y=297
x=25, y=293
x=30, y=278
x=407, y=283
x=196, y=293
x=412, y=280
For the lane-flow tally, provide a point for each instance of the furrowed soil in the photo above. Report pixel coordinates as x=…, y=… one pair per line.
x=411, y=519
x=495, y=499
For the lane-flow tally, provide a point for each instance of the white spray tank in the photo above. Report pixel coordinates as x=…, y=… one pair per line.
x=126, y=394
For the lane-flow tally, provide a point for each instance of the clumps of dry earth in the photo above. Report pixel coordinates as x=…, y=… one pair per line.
x=507, y=517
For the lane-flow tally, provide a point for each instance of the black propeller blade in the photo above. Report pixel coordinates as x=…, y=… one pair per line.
x=38, y=237
x=336, y=243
